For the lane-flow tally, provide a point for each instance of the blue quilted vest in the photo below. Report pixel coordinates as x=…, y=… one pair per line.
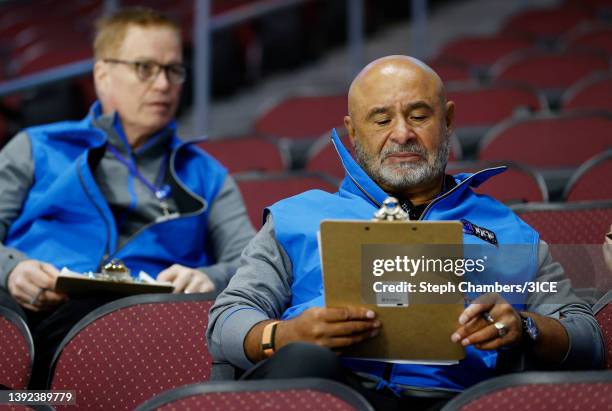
x=66, y=221
x=296, y=222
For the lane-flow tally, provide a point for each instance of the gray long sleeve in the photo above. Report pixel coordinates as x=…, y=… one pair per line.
x=586, y=342
x=16, y=177
x=229, y=231
x=261, y=289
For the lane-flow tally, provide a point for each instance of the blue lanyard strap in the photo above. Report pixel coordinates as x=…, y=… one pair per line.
x=160, y=191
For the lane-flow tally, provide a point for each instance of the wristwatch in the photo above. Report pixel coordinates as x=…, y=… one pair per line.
x=530, y=331
x=267, y=338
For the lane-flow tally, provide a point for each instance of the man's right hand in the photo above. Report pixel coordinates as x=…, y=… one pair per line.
x=31, y=283
x=334, y=328
x=329, y=327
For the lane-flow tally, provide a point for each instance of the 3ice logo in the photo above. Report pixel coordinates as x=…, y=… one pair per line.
x=480, y=232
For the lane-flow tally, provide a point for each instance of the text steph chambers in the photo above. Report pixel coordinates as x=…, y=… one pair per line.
x=464, y=287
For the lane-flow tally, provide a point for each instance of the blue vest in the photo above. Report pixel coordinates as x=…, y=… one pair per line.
x=66, y=221
x=296, y=222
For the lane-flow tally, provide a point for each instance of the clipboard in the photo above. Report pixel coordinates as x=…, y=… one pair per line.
x=416, y=332
x=83, y=285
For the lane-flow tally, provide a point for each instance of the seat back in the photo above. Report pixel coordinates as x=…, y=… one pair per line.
x=303, y=116
x=603, y=314
x=543, y=391
x=549, y=141
x=298, y=394
x=575, y=232
x=591, y=37
x=473, y=106
x=518, y=184
x=130, y=350
x=483, y=51
x=546, y=24
x=246, y=154
x=592, y=180
x=591, y=93
x=549, y=72
x=16, y=350
x=260, y=190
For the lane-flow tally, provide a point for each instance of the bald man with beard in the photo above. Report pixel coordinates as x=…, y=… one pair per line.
x=272, y=320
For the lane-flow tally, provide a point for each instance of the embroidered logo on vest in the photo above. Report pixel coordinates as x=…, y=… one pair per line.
x=480, y=232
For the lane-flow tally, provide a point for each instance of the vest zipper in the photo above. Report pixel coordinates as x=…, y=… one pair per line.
x=99, y=210
x=186, y=215
x=450, y=192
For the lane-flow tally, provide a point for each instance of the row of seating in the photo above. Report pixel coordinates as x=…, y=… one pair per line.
x=130, y=351
x=519, y=184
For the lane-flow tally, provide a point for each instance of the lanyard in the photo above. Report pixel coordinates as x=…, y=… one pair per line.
x=161, y=192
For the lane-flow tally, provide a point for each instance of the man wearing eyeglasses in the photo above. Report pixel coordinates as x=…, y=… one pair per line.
x=118, y=185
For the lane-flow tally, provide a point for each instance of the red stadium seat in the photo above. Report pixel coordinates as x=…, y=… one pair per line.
x=591, y=37
x=592, y=92
x=323, y=157
x=42, y=56
x=130, y=350
x=16, y=351
x=261, y=190
x=479, y=107
x=592, y=180
x=518, y=184
x=603, y=313
x=549, y=141
x=452, y=70
x=602, y=7
x=546, y=24
x=575, y=232
x=246, y=154
x=483, y=51
x=543, y=391
x=549, y=72
x=303, y=117
x=289, y=394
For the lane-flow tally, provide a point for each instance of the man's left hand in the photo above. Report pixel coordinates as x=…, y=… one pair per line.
x=186, y=280
x=500, y=327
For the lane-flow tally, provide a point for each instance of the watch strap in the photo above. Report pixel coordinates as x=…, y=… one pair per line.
x=267, y=338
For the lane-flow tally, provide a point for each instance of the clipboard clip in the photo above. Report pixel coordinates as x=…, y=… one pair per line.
x=391, y=211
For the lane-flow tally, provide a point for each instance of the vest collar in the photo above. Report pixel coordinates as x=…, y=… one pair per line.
x=358, y=182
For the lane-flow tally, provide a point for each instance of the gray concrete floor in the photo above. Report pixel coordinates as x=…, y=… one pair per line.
x=234, y=116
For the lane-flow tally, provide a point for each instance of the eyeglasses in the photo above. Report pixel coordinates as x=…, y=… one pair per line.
x=149, y=70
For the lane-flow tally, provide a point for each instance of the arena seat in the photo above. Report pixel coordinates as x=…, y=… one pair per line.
x=546, y=24
x=595, y=37
x=475, y=115
x=16, y=350
x=574, y=232
x=131, y=349
x=451, y=70
x=246, y=154
x=518, y=184
x=554, y=144
x=592, y=180
x=288, y=394
x=543, y=391
x=549, y=72
x=483, y=51
x=603, y=313
x=590, y=93
x=260, y=190
x=303, y=116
